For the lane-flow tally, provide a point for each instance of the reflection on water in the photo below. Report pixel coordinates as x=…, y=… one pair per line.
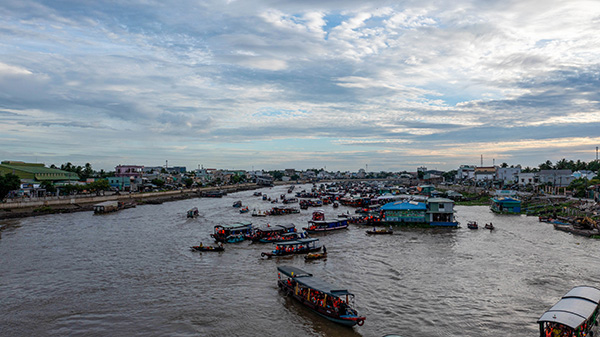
x=132, y=273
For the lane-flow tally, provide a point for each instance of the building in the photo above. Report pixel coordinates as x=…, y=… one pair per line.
x=524, y=179
x=485, y=173
x=134, y=171
x=465, y=172
x=404, y=212
x=556, y=178
x=120, y=183
x=508, y=175
x=37, y=173
x=440, y=212
x=506, y=205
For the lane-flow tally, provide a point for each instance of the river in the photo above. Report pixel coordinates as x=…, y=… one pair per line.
x=131, y=273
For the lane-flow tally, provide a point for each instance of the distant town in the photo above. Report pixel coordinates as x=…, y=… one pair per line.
x=20, y=179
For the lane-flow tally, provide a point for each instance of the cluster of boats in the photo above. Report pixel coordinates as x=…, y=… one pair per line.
x=474, y=225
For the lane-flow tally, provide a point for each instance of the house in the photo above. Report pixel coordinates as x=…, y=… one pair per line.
x=524, y=179
x=440, y=212
x=120, y=183
x=556, y=178
x=465, y=172
x=135, y=171
x=508, y=175
x=485, y=173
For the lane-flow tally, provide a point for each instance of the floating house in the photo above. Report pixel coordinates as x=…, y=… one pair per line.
x=404, y=212
x=506, y=205
x=440, y=212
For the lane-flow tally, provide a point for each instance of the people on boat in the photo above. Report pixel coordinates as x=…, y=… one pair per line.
x=324, y=249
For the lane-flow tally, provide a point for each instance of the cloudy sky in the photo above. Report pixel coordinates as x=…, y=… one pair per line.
x=341, y=85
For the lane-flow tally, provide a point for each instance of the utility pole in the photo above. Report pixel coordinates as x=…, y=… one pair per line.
x=481, y=160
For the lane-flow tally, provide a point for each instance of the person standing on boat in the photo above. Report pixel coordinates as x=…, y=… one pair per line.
x=324, y=249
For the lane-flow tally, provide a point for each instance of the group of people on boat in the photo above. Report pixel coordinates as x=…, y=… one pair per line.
x=322, y=300
x=560, y=330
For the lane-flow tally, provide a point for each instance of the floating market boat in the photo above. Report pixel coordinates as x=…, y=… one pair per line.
x=574, y=315
x=318, y=224
x=232, y=233
x=472, y=225
x=193, y=213
x=269, y=231
x=237, y=204
x=300, y=246
x=327, y=300
x=244, y=209
x=202, y=248
x=489, y=226
x=315, y=256
x=380, y=231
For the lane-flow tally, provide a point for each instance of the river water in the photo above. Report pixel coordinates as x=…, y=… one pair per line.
x=131, y=273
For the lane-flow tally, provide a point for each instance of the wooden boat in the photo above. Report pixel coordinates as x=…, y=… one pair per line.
x=237, y=204
x=284, y=237
x=269, y=231
x=330, y=301
x=318, y=224
x=193, y=213
x=315, y=256
x=257, y=194
x=575, y=314
x=489, y=226
x=472, y=225
x=380, y=231
x=202, y=248
x=244, y=209
x=232, y=233
x=300, y=246
x=259, y=213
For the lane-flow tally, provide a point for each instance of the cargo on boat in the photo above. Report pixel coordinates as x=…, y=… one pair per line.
x=330, y=301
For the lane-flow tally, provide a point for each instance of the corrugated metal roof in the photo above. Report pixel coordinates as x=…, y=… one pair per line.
x=574, y=308
x=395, y=206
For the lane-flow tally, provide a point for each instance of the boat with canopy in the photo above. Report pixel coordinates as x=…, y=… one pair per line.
x=327, y=300
x=300, y=246
x=575, y=315
x=232, y=233
x=318, y=224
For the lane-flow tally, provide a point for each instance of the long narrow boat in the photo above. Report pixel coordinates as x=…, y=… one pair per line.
x=202, y=248
x=332, y=302
x=318, y=224
x=300, y=246
x=576, y=314
x=232, y=233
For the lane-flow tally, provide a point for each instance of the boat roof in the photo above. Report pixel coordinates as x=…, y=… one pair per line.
x=293, y=271
x=235, y=225
x=270, y=229
x=288, y=226
x=305, y=278
x=573, y=309
x=296, y=242
x=403, y=205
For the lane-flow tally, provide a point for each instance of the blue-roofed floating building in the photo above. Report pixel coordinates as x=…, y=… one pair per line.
x=506, y=205
x=433, y=212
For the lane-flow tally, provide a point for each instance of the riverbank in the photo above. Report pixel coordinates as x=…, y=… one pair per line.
x=82, y=203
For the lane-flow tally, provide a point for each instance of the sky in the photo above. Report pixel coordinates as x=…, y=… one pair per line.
x=340, y=85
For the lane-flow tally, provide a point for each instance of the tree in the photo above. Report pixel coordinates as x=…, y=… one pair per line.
x=562, y=164
x=188, y=182
x=9, y=182
x=48, y=186
x=158, y=182
x=295, y=177
x=546, y=166
x=277, y=175
x=505, y=165
x=98, y=185
x=87, y=171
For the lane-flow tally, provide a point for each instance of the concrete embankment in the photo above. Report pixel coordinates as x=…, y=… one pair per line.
x=77, y=203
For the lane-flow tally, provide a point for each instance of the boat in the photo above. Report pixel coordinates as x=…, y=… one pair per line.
x=336, y=205
x=329, y=301
x=283, y=211
x=284, y=237
x=193, y=213
x=244, y=209
x=257, y=194
x=202, y=248
x=315, y=256
x=318, y=224
x=489, y=226
x=380, y=231
x=112, y=206
x=300, y=246
x=259, y=213
x=232, y=233
x=575, y=314
x=472, y=225
x=237, y=204
x=269, y=231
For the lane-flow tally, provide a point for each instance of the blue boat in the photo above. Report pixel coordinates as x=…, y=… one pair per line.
x=318, y=224
x=327, y=300
x=300, y=246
